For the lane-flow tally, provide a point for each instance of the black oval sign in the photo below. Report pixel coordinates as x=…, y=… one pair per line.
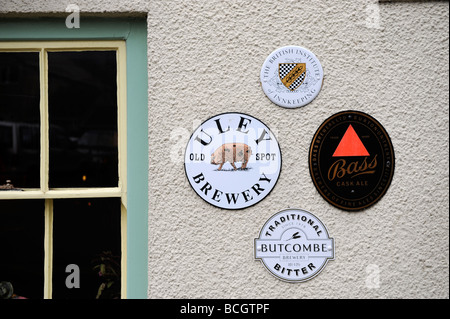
x=351, y=160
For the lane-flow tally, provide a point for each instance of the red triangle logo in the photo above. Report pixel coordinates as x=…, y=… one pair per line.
x=350, y=145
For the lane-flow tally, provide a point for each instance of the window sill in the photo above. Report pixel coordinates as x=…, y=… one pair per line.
x=61, y=193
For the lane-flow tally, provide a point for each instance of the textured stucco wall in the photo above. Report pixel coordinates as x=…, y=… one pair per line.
x=389, y=60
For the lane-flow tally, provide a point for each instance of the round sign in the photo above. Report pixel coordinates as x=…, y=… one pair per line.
x=351, y=160
x=232, y=161
x=291, y=76
x=294, y=245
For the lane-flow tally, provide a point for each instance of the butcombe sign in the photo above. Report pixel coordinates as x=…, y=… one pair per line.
x=232, y=160
x=294, y=245
x=291, y=76
x=351, y=160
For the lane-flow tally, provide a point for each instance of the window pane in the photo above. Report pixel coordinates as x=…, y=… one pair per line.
x=22, y=246
x=19, y=119
x=83, y=230
x=83, y=119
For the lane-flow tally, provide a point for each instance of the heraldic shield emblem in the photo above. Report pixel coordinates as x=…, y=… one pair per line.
x=292, y=75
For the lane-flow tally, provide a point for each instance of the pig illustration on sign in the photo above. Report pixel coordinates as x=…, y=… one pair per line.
x=231, y=153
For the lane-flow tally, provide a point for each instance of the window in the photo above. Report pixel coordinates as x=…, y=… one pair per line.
x=65, y=109
x=65, y=114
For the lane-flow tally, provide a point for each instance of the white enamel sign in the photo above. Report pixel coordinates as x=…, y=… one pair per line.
x=294, y=245
x=232, y=161
x=291, y=76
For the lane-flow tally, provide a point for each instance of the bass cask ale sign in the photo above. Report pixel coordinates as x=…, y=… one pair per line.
x=291, y=76
x=294, y=245
x=232, y=161
x=351, y=160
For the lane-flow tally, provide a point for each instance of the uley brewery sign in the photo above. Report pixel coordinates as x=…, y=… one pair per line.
x=294, y=245
x=232, y=161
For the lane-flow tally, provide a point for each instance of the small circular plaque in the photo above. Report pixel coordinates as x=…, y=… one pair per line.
x=291, y=76
x=351, y=160
x=294, y=245
x=232, y=161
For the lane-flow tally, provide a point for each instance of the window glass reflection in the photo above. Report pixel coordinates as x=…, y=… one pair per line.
x=22, y=247
x=19, y=119
x=87, y=234
x=83, y=119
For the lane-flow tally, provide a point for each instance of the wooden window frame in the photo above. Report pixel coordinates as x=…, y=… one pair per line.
x=50, y=194
x=132, y=30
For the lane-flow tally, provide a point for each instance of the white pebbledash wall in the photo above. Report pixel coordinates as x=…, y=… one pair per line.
x=387, y=59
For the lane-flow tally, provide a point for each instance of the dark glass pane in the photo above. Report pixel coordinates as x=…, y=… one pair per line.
x=83, y=119
x=83, y=230
x=22, y=246
x=19, y=119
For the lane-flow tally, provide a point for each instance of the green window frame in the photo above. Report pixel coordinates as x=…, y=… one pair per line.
x=134, y=32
